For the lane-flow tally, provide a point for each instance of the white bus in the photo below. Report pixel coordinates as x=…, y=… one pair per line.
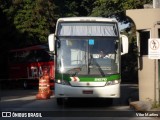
x=87, y=56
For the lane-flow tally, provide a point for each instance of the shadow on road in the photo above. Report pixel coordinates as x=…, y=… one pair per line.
x=87, y=102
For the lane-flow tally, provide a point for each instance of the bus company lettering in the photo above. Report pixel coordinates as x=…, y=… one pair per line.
x=100, y=79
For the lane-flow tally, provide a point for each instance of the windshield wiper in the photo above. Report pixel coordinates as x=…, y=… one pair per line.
x=94, y=61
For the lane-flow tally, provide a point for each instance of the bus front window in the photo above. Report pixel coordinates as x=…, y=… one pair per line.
x=96, y=56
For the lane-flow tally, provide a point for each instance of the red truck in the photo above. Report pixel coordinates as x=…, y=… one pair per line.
x=26, y=65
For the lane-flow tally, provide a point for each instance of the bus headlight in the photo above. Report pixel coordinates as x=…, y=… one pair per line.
x=63, y=82
x=113, y=82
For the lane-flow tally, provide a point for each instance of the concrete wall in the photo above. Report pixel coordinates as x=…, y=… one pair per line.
x=146, y=79
x=144, y=18
x=147, y=20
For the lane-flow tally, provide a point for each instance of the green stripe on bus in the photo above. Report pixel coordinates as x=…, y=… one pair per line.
x=88, y=78
x=99, y=79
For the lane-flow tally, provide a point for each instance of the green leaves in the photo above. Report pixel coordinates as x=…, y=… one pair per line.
x=29, y=22
x=116, y=8
x=33, y=19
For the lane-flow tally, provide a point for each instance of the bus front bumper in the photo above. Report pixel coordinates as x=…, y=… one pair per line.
x=65, y=91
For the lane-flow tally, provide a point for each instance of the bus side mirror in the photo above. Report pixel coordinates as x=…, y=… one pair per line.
x=124, y=42
x=51, y=42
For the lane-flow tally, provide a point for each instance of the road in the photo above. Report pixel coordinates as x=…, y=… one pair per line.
x=23, y=102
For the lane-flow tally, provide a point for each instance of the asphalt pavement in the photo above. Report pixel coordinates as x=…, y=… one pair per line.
x=21, y=101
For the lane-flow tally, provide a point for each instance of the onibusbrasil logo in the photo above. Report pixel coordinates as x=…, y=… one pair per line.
x=21, y=114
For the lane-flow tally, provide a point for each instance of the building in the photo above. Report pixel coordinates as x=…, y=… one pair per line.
x=147, y=22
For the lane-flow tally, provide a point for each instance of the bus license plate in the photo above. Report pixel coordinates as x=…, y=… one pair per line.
x=87, y=91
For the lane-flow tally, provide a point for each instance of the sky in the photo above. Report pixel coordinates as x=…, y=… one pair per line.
x=122, y=26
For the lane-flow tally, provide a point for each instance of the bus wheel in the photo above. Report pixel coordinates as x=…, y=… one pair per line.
x=60, y=101
x=25, y=84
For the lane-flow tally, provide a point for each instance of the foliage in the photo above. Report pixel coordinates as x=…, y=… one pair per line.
x=66, y=8
x=29, y=22
x=71, y=8
x=33, y=19
x=116, y=8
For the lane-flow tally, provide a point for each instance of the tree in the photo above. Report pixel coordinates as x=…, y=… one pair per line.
x=66, y=8
x=33, y=19
x=116, y=8
x=70, y=8
x=29, y=22
x=86, y=7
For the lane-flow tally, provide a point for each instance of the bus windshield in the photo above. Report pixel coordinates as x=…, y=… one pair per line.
x=85, y=56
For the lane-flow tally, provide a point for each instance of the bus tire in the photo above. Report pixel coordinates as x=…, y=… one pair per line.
x=60, y=101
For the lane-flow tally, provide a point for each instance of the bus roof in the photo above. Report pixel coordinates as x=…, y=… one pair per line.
x=100, y=19
x=36, y=47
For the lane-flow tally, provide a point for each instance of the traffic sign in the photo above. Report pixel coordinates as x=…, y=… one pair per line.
x=154, y=48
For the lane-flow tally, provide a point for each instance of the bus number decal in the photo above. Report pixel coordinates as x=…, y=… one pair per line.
x=101, y=79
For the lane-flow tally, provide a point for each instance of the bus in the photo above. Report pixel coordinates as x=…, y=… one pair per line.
x=26, y=65
x=87, y=54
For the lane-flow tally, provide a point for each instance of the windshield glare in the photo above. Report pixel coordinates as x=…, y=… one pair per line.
x=96, y=56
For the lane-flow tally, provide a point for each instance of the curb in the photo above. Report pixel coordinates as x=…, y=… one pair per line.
x=142, y=106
